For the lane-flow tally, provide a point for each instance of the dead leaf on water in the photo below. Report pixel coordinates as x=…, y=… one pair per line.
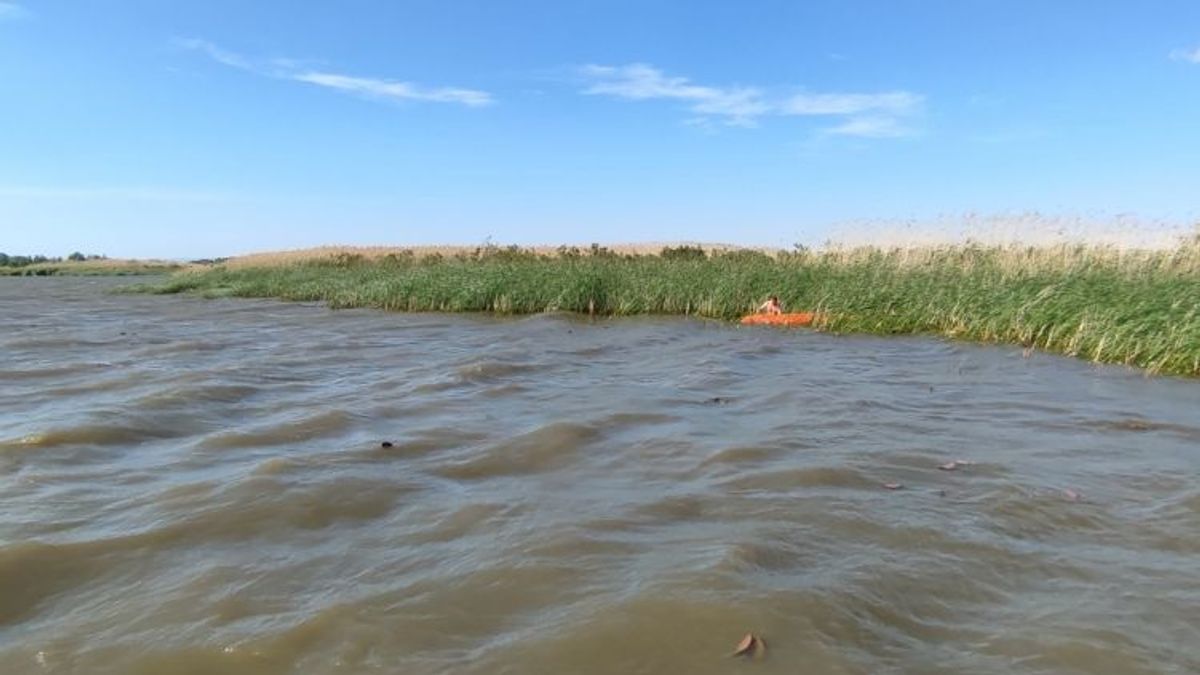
x=745, y=645
x=751, y=645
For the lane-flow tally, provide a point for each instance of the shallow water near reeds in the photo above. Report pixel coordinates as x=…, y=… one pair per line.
x=199, y=486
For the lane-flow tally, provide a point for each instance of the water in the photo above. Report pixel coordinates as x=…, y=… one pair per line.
x=196, y=486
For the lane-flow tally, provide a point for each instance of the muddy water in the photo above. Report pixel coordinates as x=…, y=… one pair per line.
x=195, y=486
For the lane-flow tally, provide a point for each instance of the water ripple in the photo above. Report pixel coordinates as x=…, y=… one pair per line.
x=257, y=487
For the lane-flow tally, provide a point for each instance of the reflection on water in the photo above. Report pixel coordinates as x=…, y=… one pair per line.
x=195, y=486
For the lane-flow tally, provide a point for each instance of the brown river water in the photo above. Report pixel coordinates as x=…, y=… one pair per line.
x=199, y=486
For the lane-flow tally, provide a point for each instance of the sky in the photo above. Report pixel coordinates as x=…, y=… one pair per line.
x=184, y=129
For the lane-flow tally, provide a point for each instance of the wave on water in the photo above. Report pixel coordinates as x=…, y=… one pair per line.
x=547, y=448
x=305, y=427
x=95, y=434
x=367, y=492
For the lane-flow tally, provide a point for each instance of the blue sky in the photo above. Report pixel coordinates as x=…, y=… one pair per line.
x=187, y=129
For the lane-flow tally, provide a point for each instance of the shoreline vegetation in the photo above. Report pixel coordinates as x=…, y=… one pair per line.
x=89, y=267
x=1135, y=307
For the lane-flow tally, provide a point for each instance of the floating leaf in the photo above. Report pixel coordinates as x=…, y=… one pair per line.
x=745, y=645
x=751, y=645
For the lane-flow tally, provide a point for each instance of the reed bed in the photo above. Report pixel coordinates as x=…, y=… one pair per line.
x=1135, y=307
x=332, y=254
x=93, y=268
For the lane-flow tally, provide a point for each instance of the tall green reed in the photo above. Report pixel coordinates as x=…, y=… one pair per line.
x=1140, y=308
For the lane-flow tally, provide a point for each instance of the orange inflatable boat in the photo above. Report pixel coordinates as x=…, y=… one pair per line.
x=790, y=319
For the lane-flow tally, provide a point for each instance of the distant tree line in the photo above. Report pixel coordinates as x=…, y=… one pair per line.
x=7, y=260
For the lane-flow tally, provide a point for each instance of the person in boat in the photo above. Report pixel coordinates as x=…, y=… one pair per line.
x=771, y=306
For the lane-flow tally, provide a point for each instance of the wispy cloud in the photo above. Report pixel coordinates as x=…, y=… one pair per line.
x=217, y=54
x=892, y=103
x=873, y=115
x=369, y=87
x=639, y=82
x=1188, y=55
x=374, y=88
x=870, y=127
x=735, y=105
x=11, y=10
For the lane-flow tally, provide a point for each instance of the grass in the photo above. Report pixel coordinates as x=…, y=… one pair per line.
x=88, y=268
x=1135, y=307
x=332, y=254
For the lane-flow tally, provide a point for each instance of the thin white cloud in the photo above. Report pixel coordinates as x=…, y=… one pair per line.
x=289, y=69
x=870, y=127
x=892, y=102
x=11, y=10
x=873, y=115
x=217, y=54
x=737, y=106
x=374, y=88
x=639, y=82
x=1188, y=55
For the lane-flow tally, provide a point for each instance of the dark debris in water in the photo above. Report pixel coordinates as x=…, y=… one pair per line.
x=385, y=444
